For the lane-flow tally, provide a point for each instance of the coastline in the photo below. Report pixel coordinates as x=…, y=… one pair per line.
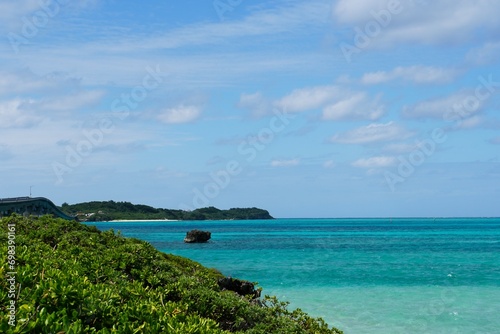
x=140, y=220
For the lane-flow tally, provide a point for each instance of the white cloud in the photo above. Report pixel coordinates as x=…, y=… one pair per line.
x=110, y=53
x=470, y=123
x=15, y=14
x=18, y=83
x=180, y=114
x=375, y=162
x=11, y=12
x=457, y=105
x=308, y=98
x=256, y=102
x=291, y=18
x=355, y=11
x=26, y=82
x=16, y=114
x=54, y=96
x=336, y=103
x=285, y=163
x=354, y=107
x=373, y=133
x=424, y=22
x=211, y=68
x=486, y=54
x=418, y=74
x=72, y=102
x=329, y=164
x=28, y=109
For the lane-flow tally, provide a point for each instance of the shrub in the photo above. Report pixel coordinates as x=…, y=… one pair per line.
x=74, y=278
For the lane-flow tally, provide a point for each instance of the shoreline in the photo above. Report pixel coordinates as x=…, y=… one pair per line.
x=139, y=220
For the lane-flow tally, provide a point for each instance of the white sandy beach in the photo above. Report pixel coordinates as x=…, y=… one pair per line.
x=139, y=220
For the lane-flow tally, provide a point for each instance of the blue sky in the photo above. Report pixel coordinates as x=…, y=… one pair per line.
x=305, y=108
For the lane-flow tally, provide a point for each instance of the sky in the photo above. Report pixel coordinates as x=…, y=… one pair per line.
x=317, y=108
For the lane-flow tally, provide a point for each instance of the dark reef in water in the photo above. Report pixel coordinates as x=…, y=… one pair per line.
x=197, y=236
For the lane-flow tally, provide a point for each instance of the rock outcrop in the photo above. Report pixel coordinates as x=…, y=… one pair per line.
x=242, y=288
x=197, y=236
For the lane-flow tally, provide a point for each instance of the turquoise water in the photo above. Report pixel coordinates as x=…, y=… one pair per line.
x=360, y=275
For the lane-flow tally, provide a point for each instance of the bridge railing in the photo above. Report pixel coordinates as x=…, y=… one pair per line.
x=30, y=205
x=14, y=199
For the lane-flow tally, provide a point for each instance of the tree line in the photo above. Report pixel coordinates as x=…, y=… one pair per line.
x=111, y=210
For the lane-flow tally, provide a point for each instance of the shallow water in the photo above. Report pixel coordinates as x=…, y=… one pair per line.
x=361, y=275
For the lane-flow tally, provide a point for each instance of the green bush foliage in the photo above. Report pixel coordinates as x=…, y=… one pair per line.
x=73, y=278
x=111, y=210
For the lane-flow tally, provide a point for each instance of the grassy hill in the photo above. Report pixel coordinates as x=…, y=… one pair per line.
x=72, y=278
x=111, y=210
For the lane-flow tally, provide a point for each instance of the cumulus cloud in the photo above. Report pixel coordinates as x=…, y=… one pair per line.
x=418, y=74
x=285, y=163
x=336, y=103
x=375, y=162
x=180, y=114
x=308, y=98
x=354, y=107
x=373, y=133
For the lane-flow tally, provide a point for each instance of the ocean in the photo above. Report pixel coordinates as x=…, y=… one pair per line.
x=409, y=275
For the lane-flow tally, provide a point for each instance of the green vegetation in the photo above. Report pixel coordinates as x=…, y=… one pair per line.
x=111, y=210
x=73, y=278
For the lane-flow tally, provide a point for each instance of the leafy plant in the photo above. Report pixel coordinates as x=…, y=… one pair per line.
x=73, y=278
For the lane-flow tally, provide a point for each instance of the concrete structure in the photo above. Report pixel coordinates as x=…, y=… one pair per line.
x=28, y=206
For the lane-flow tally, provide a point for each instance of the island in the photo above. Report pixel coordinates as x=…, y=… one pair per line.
x=111, y=210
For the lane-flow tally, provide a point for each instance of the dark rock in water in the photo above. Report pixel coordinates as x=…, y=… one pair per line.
x=197, y=236
x=242, y=288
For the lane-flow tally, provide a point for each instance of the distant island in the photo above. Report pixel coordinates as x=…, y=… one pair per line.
x=111, y=210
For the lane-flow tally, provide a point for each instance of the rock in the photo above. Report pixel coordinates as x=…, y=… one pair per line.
x=242, y=288
x=197, y=236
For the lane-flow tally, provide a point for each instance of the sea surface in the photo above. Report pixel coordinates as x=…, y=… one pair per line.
x=361, y=275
